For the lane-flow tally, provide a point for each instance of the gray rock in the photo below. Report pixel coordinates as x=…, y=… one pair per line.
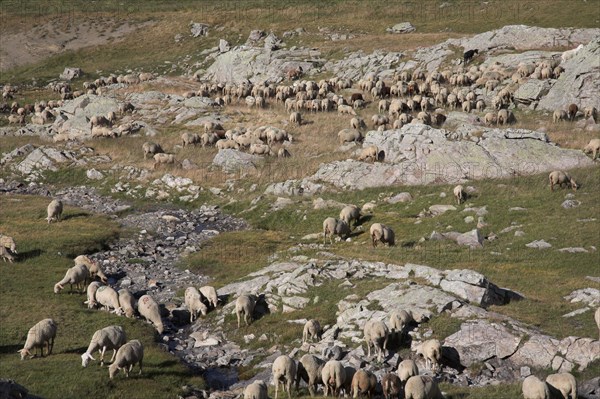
x=589, y=389
x=294, y=187
x=224, y=46
x=45, y=158
x=198, y=29
x=472, y=239
x=540, y=244
x=570, y=203
x=79, y=111
x=439, y=209
x=198, y=102
x=236, y=161
x=401, y=197
x=574, y=250
x=531, y=91
x=589, y=296
x=255, y=36
x=71, y=73
x=403, y=27
x=93, y=174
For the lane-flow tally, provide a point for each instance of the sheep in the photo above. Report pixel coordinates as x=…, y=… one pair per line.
x=148, y=308
x=194, y=303
x=55, y=209
x=151, y=148
x=349, y=214
x=111, y=337
x=93, y=267
x=468, y=55
x=350, y=371
x=376, y=333
x=504, y=116
x=91, y=293
x=256, y=390
x=567, y=55
x=127, y=356
x=42, y=333
x=261, y=149
x=559, y=115
x=16, y=119
x=572, y=111
x=9, y=243
x=363, y=382
x=210, y=293
x=312, y=330
x=208, y=139
x=283, y=153
x=99, y=121
x=346, y=109
x=358, y=123
x=369, y=153
x=107, y=297
x=245, y=304
x=127, y=302
x=381, y=233
x=76, y=275
x=399, y=320
x=534, y=388
x=333, y=376
x=284, y=371
x=590, y=112
x=406, y=369
x=459, y=194
x=309, y=369
x=559, y=177
x=333, y=226
x=391, y=386
x=597, y=319
x=6, y=255
x=593, y=146
x=422, y=387
x=163, y=159
x=380, y=120
x=564, y=383
x=190, y=138
x=349, y=135
x=431, y=350
x=296, y=117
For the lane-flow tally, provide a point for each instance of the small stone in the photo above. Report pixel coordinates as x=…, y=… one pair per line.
x=540, y=244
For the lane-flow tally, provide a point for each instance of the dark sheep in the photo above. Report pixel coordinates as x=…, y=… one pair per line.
x=468, y=55
x=356, y=96
x=572, y=111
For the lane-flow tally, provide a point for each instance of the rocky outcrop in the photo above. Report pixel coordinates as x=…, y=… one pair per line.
x=75, y=114
x=235, y=161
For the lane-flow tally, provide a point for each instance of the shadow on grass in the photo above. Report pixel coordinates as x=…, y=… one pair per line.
x=75, y=215
x=10, y=349
x=34, y=253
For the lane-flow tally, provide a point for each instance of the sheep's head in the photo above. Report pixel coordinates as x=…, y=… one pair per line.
x=24, y=352
x=57, y=288
x=113, y=370
x=85, y=359
x=574, y=184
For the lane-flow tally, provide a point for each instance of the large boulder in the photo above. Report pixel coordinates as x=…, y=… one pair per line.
x=75, y=114
x=236, y=161
x=71, y=73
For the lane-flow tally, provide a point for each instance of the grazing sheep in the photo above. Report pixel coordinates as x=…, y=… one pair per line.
x=593, y=147
x=534, y=388
x=91, y=293
x=208, y=139
x=127, y=356
x=460, y=194
x=590, y=112
x=16, y=119
x=333, y=376
x=284, y=371
x=99, y=121
x=92, y=266
x=399, y=320
x=572, y=111
x=468, y=55
x=296, y=117
x=346, y=109
x=391, y=386
x=77, y=275
x=567, y=55
x=310, y=369
x=363, y=382
x=42, y=333
x=283, y=153
x=210, y=293
x=256, y=390
x=148, y=308
x=559, y=115
x=312, y=330
x=261, y=149
x=349, y=214
x=349, y=135
x=431, y=350
x=504, y=116
x=380, y=120
x=422, y=387
x=150, y=148
x=190, y=138
x=333, y=226
x=55, y=209
x=559, y=177
x=369, y=153
x=376, y=333
x=111, y=337
x=564, y=383
x=597, y=319
x=163, y=159
x=245, y=304
x=9, y=243
x=127, y=302
x=381, y=233
x=406, y=369
x=6, y=255
x=193, y=301
x=358, y=123
x=108, y=298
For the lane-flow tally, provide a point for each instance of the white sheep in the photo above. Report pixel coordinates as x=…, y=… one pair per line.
x=312, y=330
x=91, y=293
x=593, y=146
x=567, y=55
x=431, y=350
x=591, y=112
x=193, y=301
x=363, y=382
x=333, y=226
x=559, y=115
x=309, y=369
x=55, y=209
x=406, y=369
x=93, y=267
x=148, y=308
x=534, y=388
x=210, y=293
x=399, y=320
x=6, y=255
x=284, y=372
x=422, y=387
x=349, y=214
x=559, y=177
x=127, y=356
x=459, y=194
x=391, y=386
x=77, y=275
x=42, y=333
x=296, y=117
x=358, y=123
x=190, y=139
x=333, y=376
x=245, y=304
x=151, y=148
x=256, y=390
x=127, y=302
x=349, y=135
x=564, y=383
x=260, y=149
x=346, y=109
x=369, y=153
x=9, y=243
x=379, y=232
x=163, y=159
x=376, y=333
x=111, y=337
x=597, y=319
x=107, y=297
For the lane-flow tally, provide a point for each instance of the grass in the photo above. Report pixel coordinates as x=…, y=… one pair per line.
x=45, y=252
